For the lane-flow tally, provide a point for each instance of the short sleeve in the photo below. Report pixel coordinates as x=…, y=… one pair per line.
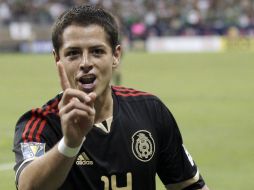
x=176, y=168
x=36, y=132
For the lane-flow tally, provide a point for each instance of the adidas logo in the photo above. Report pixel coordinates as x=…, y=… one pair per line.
x=83, y=160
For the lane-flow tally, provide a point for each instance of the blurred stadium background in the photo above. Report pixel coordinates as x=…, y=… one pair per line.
x=196, y=55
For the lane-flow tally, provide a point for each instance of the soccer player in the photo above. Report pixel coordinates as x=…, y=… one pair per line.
x=94, y=135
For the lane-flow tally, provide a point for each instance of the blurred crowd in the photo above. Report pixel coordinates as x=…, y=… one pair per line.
x=143, y=18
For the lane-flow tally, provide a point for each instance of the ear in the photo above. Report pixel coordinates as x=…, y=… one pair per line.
x=117, y=56
x=56, y=56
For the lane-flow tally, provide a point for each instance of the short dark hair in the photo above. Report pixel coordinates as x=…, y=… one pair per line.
x=85, y=15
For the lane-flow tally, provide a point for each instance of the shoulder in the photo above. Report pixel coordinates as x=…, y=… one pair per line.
x=140, y=102
x=138, y=99
x=32, y=123
x=51, y=107
x=130, y=94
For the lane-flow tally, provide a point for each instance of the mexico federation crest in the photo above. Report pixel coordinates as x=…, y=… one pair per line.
x=143, y=146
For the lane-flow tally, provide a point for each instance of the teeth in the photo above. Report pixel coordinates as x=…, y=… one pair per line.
x=87, y=79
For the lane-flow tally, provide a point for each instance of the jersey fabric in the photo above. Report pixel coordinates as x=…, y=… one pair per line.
x=142, y=141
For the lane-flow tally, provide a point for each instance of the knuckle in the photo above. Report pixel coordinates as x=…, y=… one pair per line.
x=67, y=91
x=61, y=112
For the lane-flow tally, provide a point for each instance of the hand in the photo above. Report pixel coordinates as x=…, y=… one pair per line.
x=76, y=110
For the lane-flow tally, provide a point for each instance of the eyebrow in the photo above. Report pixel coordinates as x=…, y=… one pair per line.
x=92, y=47
x=98, y=46
x=71, y=48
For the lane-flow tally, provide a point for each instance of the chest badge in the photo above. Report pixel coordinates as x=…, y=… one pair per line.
x=143, y=146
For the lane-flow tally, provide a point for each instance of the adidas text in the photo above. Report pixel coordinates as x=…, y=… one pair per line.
x=84, y=162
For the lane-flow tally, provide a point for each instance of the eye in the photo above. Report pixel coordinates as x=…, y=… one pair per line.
x=72, y=53
x=97, y=52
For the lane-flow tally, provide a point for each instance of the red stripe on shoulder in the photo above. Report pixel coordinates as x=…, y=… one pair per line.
x=131, y=94
x=51, y=108
x=30, y=136
x=122, y=91
x=28, y=125
x=37, y=121
x=38, y=134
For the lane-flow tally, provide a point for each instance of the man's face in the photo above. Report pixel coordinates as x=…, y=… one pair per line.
x=88, y=58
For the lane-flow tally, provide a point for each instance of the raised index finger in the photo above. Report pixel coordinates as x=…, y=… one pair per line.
x=63, y=76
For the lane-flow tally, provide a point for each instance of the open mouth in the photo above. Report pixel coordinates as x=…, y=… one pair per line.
x=87, y=82
x=88, y=79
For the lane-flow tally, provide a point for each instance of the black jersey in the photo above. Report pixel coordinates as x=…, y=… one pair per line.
x=143, y=140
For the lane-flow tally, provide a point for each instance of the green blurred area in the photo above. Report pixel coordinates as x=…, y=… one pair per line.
x=210, y=95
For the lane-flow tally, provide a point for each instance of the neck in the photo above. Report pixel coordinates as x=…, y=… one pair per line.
x=104, y=106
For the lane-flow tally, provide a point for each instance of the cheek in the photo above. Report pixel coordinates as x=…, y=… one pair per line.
x=105, y=65
x=107, y=70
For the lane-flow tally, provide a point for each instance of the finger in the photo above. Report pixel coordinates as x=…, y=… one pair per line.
x=79, y=116
x=74, y=95
x=77, y=95
x=63, y=76
x=92, y=97
x=76, y=105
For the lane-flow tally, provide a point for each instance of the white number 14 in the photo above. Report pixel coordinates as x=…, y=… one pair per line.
x=106, y=179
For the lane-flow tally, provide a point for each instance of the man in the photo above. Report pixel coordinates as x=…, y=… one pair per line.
x=92, y=135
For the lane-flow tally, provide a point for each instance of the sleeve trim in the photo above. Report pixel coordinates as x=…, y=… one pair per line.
x=184, y=184
x=20, y=168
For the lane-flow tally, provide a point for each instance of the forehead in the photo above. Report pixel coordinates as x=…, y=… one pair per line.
x=76, y=35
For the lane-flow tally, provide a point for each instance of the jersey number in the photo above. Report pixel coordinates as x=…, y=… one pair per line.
x=106, y=179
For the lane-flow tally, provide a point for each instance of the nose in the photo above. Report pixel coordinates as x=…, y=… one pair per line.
x=85, y=64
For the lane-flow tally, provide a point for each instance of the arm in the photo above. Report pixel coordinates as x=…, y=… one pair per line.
x=46, y=172
x=76, y=110
x=177, y=169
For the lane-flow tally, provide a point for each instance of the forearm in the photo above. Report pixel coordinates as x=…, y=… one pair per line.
x=46, y=172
